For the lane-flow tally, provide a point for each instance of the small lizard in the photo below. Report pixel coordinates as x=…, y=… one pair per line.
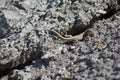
x=73, y=38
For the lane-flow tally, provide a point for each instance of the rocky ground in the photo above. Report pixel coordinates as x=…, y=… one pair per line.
x=29, y=52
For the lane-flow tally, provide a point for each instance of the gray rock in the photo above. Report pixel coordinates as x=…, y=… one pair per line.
x=24, y=37
x=4, y=27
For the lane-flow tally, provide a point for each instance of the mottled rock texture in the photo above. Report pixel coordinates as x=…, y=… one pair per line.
x=29, y=52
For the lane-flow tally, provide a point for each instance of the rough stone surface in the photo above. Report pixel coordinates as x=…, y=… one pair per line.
x=29, y=52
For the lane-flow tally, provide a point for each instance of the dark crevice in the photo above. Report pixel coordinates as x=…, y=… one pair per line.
x=21, y=66
x=4, y=26
x=113, y=7
x=77, y=28
x=108, y=14
x=4, y=72
x=19, y=6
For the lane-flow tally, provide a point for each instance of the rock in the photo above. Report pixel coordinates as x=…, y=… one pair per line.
x=24, y=39
x=4, y=26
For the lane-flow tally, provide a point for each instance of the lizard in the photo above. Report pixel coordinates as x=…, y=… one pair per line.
x=73, y=38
